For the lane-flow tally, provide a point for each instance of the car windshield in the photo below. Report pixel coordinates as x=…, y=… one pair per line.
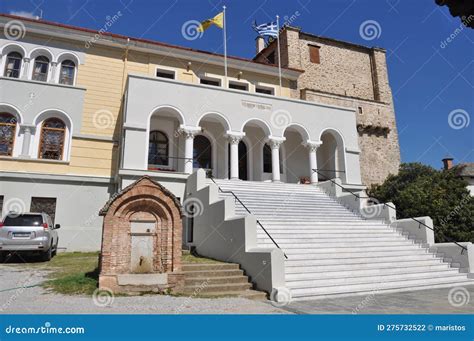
x=24, y=220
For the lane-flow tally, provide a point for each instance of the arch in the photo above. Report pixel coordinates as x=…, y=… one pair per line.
x=68, y=55
x=13, y=47
x=216, y=115
x=300, y=129
x=41, y=51
x=6, y=107
x=41, y=68
x=331, y=155
x=172, y=109
x=261, y=123
x=54, y=113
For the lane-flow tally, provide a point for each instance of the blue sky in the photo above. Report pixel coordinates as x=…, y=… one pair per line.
x=429, y=81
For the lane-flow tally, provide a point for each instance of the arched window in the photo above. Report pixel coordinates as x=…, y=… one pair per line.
x=40, y=71
x=158, y=148
x=13, y=65
x=202, y=153
x=7, y=133
x=267, y=159
x=67, y=73
x=53, y=133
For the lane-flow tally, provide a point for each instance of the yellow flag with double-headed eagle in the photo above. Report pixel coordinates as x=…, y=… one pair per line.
x=218, y=20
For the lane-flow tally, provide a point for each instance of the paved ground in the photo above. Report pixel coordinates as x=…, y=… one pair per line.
x=435, y=301
x=20, y=293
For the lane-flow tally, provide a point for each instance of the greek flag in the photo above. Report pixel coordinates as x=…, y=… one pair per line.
x=268, y=29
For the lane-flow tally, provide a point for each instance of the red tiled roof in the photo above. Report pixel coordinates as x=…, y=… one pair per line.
x=141, y=40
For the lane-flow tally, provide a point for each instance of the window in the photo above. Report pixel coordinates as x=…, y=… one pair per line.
x=158, y=148
x=67, y=73
x=44, y=205
x=202, y=153
x=13, y=65
x=267, y=159
x=211, y=81
x=1, y=204
x=264, y=90
x=271, y=58
x=314, y=54
x=40, y=70
x=53, y=133
x=170, y=74
x=7, y=133
x=360, y=110
x=238, y=86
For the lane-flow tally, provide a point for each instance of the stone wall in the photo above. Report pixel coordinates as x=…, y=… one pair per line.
x=353, y=76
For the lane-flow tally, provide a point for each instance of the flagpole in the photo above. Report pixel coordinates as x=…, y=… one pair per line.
x=278, y=46
x=225, y=48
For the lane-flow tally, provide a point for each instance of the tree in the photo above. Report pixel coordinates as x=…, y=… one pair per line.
x=420, y=190
x=460, y=8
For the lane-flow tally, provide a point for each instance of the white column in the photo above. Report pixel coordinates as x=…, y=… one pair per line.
x=234, y=155
x=313, y=160
x=189, y=134
x=25, y=68
x=54, y=66
x=275, y=145
x=25, y=148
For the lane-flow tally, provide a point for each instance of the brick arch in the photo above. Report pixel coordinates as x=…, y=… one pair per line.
x=143, y=202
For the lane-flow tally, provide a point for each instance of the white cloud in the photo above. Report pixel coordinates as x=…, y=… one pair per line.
x=24, y=14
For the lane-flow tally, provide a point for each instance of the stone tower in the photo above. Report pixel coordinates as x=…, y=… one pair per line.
x=348, y=75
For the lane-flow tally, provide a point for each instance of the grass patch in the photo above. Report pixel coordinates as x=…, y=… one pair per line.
x=73, y=273
x=189, y=258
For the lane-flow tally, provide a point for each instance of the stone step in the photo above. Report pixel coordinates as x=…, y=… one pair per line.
x=293, y=275
x=216, y=288
x=209, y=266
x=193, y=281
x=356, y=258
x=262, y=237
x=329, y=234
x=349, y=249
x=418, y=276
x=359, y=224
x=212, y=273
x=408, y=285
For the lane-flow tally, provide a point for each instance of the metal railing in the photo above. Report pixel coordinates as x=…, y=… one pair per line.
x=387, y=205
x=245, y=207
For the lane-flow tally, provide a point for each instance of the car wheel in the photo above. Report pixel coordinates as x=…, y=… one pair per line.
x=55, y=251
x=47, y=255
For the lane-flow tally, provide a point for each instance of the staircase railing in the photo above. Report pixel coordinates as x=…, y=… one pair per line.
x=246, y=208
x=318, y=171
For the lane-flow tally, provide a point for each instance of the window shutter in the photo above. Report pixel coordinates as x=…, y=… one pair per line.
x=314, y=54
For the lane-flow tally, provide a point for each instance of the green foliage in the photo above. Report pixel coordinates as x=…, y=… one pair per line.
x=420, y=190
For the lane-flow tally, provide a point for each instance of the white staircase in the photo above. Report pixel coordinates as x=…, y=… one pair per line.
x=333, y=251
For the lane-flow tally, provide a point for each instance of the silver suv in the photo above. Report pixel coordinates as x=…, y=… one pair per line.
x=28, y=232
